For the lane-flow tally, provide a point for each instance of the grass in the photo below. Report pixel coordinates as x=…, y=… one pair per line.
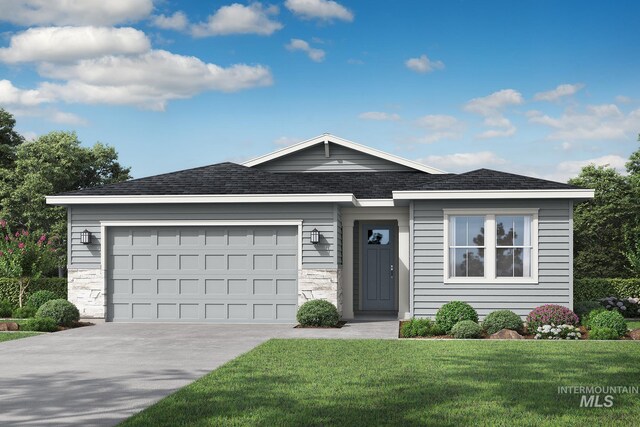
x=633, y=324
x=434, y=382
x=8, y=336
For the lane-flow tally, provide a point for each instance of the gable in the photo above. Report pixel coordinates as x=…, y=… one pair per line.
x=339, y=159
x=329, y=153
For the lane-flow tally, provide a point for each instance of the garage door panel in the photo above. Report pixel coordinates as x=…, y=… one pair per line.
x=211, y=274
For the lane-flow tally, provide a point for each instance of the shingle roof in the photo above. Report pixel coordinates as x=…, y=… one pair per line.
x=230, y=178
x=487, y=179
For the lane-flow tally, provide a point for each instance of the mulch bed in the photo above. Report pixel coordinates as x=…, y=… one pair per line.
x=338, y=326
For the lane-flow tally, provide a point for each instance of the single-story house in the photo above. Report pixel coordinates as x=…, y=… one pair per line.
x=325, y=218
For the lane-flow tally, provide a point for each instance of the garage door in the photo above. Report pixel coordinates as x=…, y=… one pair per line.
x=202, y=274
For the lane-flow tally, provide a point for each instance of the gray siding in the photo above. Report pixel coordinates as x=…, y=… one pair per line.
x=339, y=235
x=341, y=159
x=554, y=261
x=356, y=266
x=320, y=216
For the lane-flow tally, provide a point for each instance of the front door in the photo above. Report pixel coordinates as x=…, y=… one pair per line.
x=378, y=265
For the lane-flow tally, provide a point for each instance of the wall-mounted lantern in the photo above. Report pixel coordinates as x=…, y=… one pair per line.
x=315, y=236
x=85, y=237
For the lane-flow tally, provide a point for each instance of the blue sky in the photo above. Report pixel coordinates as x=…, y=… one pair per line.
x=534, y=87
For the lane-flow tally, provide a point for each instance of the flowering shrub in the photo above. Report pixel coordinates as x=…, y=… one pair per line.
x=628, y=307
x=560, y=332
x=551, y=314
x=24, y=256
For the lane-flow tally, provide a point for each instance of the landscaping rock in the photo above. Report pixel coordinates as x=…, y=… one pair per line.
x=506, y=334
x=635, y=334
x=9, y=326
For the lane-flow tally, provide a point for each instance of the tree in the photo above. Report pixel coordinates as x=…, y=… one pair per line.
x=25, y=257
x=54, y=163
x=607, y=228
x=9, y=139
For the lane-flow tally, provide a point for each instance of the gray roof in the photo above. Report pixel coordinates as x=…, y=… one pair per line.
x=232, y=179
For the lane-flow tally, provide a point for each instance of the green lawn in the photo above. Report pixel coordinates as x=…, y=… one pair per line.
x=633, y=324
x=8, y=336
x=413, y=382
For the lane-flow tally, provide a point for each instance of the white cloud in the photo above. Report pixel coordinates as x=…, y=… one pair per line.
x=60, y=44
x=319, y=9
x=64, y=118
x=491, y=107
x=423, y=64
x=178, y=21
x=379, y=116
x=314, y=54
x=239, y=19
x=285, y=141
x=441, y=127
x=596, y=122
x=464, y=161
x=571, y=168
x=13, y=96
x=558, y=92
x=621, y=99
x=73, y=12
x=148, y=80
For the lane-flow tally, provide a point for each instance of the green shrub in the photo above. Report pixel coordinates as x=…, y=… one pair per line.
x=603, y=334
x=318, y=313
x=609, y=319
x=583, y=308
x=23, y=312
x=466, y=329
x=9, y=288
x=418, y=327
x=453, y=312
x=502, y=319
x=60, y=310
x=6, y=308
x=45, y=324
x=38, y=298
x=585, y=319
x=596, y=289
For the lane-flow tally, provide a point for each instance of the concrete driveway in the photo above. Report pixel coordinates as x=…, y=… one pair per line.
x=102, y=374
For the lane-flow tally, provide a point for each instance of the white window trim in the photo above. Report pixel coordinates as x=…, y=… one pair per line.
x=490, y=246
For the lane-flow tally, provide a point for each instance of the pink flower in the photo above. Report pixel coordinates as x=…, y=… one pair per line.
x=6, y=238
x=17, y=234
x=3, y=223
x=21, y=245
x=42, y=238
x=1, y=253
x=10, y=251
x=25, y=233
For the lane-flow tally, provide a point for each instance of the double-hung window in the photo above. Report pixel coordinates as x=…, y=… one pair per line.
x=491, y=246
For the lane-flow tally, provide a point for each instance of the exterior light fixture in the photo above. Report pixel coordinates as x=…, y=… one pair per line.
x=85, y=237
x=315, y=236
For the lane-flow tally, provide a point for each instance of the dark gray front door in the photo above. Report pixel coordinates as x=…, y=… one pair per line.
x=378, y=259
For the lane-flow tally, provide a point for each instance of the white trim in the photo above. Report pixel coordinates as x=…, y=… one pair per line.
x=571, y=254
x=377, y=203
x=205, y=198
x=411, y=258
x=326, y=138
x=490, y=247
x=493, y=194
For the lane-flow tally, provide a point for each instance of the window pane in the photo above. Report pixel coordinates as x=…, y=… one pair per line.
x=467, y=231
x=467, y=262
x=377, y=237
x=513, y=262
x=510, y=230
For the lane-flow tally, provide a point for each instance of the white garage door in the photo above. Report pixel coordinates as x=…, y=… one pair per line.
x=202, y=274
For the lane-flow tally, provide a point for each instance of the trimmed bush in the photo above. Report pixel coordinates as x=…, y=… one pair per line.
x=60, y=310
x=9, y=288
x=466, y=329
x=6, y=308
x=318, y=313
x=583, y=308
x=596, y=289
x=628, y=307
x=452, y=313
x=586, y=317
x=502, y=319
x=551, y=314
x=603, y=334
x=609, y=319
x=23, y=312
x=45, y=324
x=38, y=298
x=418, y=327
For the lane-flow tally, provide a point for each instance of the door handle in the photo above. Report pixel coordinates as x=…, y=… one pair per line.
x=391, y=270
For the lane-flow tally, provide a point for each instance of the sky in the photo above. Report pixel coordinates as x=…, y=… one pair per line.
x=539, y=88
